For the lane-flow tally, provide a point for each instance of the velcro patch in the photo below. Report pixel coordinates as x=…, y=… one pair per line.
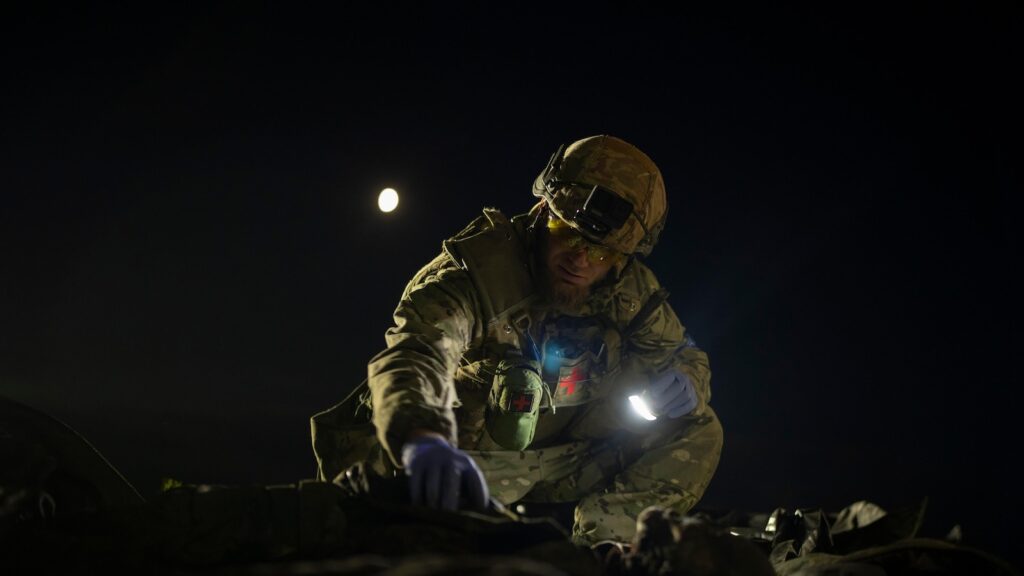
x=520, y=402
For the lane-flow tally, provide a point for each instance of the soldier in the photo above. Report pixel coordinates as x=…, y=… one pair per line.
x=519, y=354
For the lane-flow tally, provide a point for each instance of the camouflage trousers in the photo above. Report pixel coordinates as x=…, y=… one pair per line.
x=614, y=479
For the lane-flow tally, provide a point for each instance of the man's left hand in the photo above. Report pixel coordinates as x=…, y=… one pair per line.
x=671, y=394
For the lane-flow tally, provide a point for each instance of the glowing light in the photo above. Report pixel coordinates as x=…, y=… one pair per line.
x=641, y=408
x=387, y=200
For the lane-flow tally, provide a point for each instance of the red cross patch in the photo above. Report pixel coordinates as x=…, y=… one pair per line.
x=568, y=382
x=519, y=402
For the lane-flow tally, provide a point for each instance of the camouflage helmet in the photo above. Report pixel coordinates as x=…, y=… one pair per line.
x=608, y=190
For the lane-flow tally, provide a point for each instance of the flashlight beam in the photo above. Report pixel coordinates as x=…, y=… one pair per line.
x=641, y=408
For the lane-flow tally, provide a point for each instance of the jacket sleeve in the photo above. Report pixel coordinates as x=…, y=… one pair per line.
x=411, y=381
x=661, y=343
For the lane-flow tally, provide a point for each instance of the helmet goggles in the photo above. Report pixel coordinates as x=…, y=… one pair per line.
x=572, y=238
x=608, y=190
x=603, y=211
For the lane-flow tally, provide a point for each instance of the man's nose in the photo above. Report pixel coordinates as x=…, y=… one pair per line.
x=579, y=257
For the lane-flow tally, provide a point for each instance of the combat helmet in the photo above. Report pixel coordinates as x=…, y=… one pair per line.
x=608, y=190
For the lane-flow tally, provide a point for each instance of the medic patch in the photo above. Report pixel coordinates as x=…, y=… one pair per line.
x=520, y=402
x=576, y=384
x=567, y=383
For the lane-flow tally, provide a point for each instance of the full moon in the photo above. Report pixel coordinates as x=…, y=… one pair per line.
x=388, y=200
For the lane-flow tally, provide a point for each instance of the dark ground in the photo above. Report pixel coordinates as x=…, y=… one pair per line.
x=192, y=263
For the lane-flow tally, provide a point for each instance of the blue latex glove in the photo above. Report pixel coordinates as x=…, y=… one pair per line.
x=671, y=394
x=439, y=473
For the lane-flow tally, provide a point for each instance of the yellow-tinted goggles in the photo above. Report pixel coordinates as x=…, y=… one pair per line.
x=595, y=252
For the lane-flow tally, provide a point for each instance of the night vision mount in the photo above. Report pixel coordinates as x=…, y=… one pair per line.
x=602, y=212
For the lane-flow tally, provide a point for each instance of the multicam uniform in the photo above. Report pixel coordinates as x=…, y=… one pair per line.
x=476, y=305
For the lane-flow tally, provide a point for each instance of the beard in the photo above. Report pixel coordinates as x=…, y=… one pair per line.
x=566, y=296
x=562, y=295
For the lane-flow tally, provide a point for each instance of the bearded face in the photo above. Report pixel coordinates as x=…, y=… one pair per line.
x=568, y=269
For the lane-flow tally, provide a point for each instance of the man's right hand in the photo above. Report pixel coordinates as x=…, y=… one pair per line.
x=440, y=473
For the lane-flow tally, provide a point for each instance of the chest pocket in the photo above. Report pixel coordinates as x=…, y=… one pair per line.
x=576, y=380
x=574, y=359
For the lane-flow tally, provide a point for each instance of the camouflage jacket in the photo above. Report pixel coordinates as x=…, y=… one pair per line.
x=476, y=303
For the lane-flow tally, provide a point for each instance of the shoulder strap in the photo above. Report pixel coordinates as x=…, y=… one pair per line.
x=493, y=255
x=654, y=301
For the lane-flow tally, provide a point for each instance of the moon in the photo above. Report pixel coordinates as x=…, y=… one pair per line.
x=387, y=200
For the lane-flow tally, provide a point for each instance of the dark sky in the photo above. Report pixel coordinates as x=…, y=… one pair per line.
x=193, y=264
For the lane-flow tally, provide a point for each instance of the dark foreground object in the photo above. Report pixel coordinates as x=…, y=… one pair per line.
x=64, y=509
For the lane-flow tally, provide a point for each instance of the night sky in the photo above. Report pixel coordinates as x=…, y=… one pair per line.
x=192, y=261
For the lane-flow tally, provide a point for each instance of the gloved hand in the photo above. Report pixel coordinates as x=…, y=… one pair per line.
x=671, y=394
x=439, y=473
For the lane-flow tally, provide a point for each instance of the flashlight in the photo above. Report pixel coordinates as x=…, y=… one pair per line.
x=640, y=407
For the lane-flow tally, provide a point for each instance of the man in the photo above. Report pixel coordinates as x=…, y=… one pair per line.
x=518, y=354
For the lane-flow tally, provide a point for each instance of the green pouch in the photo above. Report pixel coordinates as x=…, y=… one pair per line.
x=513, y=405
